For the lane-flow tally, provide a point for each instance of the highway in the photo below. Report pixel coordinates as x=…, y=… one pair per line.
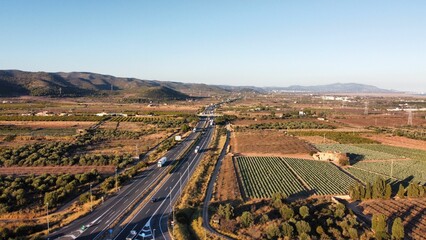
x=97, y=223
x=151, y=220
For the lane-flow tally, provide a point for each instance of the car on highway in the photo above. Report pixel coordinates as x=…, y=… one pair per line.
x=154, y=199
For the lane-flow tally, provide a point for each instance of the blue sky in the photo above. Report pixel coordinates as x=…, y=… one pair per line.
x=261, y=43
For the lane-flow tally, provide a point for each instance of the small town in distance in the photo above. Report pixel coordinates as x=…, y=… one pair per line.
x=219, y=120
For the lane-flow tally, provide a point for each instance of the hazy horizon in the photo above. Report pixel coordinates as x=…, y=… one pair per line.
x=239, y=43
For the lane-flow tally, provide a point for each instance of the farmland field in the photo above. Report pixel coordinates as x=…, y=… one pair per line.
x=324, y=178
x=367, y=176
x=263, y=176
x=411, y=211
x=409, y=170
x=269, y=143
x=397, y=141
x=404, y=170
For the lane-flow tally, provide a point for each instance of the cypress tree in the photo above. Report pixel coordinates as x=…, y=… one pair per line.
x=379, y=187
x=397, y=229
x=368, y=191
x=401, y=191
x=388, y=192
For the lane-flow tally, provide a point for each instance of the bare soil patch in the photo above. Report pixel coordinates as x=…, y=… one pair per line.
x=317, y=140
x=268, y=142
x=397, y=141
x=380, y=120
x=411, y=211
x=226, y=188
x=127, y=145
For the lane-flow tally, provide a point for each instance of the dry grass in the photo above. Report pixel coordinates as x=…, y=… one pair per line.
x=397, y=141
x=226, y=188
x=268, y=142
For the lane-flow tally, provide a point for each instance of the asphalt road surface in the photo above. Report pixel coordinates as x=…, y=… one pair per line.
x=97, y=222
x=151, y=220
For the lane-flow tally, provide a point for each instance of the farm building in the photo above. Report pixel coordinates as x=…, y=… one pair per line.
x=331, y=156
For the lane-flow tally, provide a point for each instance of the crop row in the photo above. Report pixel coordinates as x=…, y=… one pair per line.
x=411, y=170
x=264, y=176
x=398, y=151
x=324, y=178
x=366, y=176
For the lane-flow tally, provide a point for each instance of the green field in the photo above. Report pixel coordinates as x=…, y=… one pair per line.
x=264, y=176
x=261, y=177
x=323, y=177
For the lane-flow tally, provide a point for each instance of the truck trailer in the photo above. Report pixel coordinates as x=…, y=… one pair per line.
x=161, y=162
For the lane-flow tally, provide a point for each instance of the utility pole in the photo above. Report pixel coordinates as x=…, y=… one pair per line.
x=91, y=205
x=47, y=218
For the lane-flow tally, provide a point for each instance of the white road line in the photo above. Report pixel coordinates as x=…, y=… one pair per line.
x=192, y=170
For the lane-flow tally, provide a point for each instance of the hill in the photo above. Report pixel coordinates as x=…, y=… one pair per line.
x=335, y=87
x=76, y=84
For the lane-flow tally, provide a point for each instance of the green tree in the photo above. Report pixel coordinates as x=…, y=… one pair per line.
x=277, y=200
x=340, y=210
x=303, y=227
x=264, y=218
x=353, y=233
x=379, y=224
x=185, y=128
x=304, y=211
x=273, y=231
x=379, y=188
x=51, y=198
x=388, y=191
x=287, y=230
x=286, y=212
x=226, y=211
x=368, y=191
x=397, y=229
x=401, y=191
x=320, y=230
x=246, y=219
x=304, y=236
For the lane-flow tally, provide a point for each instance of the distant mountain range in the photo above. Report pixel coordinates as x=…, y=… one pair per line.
x=332, y=88
x=76, y=84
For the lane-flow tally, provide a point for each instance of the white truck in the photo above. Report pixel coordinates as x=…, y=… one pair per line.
x=131, y=235
x=194, y=130
x=197, y=149
x=161, y=162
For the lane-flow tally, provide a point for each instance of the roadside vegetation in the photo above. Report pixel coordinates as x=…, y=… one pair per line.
x=188, y=211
